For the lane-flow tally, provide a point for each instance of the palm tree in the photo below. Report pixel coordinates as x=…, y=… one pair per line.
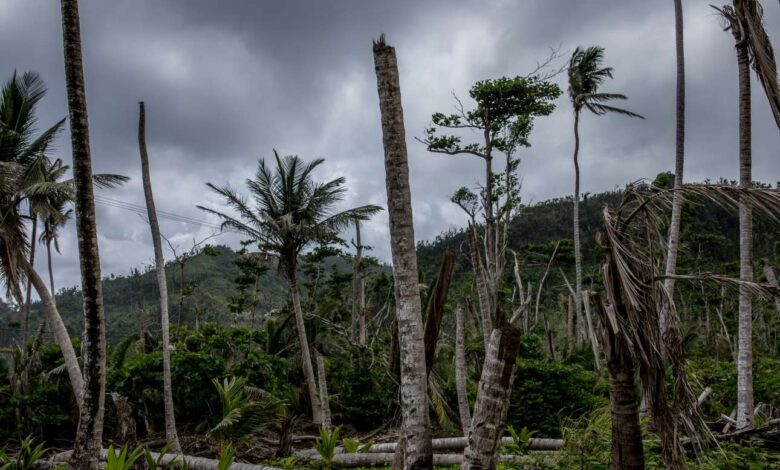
x=292, y=212
x=586, y=74
x=88, y=441
x=679, y=159
x=23, y=161
x=416, y=433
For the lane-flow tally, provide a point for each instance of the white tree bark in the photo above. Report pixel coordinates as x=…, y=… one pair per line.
x=61, y=336
x=324, y=400
x=577, y=244
x=414, y=395
x=461, y=373
x=308, y=370
x=745, y=337
x=159, y=261
x=481, y=285
x=679, y=162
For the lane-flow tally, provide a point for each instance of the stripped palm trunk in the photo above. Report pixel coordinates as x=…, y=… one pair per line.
x=89, y=433
x=159, y=260
x=359, y=298
x=481, y=285
x=679, y=160
x=61, y=336
x=745, y=335
x=322, y=379
x=308, y=370
x=416, y=432
x=627, y=450
x=576, y=216
x=490, y=409
x=461, y=372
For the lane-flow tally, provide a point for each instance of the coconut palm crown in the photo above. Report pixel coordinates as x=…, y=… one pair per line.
x=586, y=74
x=291, y=210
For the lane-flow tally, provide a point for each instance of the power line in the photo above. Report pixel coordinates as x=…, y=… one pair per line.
x=141, y=210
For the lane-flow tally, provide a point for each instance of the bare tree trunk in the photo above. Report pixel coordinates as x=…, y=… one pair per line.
x=359, y=302
x=461, y=371
x=435, y=309
x=308, y=370
x=570, y=323
x=416, y=430
x=679, y=160
x=159, y=261
x=51, y=269
x=26, y=315
x=61, y=336
x=481, y=284
x=771, y=277
x=325, y=401
x=495, y=388
x=577, y=244
x=591, y=335
x=87, y=444
x=745, y=336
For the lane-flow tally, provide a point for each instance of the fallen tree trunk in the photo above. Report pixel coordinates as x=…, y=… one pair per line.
x=448, y=444
x=193, y=463
x=376, y=459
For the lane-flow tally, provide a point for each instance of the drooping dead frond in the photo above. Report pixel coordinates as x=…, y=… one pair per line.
x=634, y=298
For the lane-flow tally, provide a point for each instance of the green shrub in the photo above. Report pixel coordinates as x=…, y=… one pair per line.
x=545, y=393
x=361, y=397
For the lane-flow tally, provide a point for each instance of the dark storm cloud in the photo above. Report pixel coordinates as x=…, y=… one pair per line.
x=226, y=82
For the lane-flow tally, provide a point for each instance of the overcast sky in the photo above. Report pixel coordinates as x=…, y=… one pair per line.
x=225, y=82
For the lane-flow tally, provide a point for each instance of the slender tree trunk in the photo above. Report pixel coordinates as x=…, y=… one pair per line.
x=495, y=388
x=679, y=160
x=745, y=337
x=87, y=445
x=325, y=400
x=51, y=268
x=577, y=244
x=162, y=284
x=481, y=284
x=61, y=336
x=416, y=430
x=461, y=372
x=591, y=334
x=359, y=302
x=26, y=315
x=308, y=370
x=570, y=324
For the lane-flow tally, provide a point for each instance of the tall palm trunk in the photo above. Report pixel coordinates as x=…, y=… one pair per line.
x=159, y=261
x=88, y=441
x=490, y=409
x=461, y=374
x=308, y=370
x=745, y=336
x=416, y=431
x=577, y=246
x=61, y=336
x=26, y=315
x=679, y=160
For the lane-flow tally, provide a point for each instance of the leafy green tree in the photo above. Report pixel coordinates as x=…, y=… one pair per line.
x=292, y=212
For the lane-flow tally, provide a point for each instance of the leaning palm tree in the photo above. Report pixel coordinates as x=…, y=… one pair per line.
x=89, y=433
x=291, y=212
x=586, y=74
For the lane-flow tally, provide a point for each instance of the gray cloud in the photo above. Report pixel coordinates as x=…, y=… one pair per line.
x=225, y=83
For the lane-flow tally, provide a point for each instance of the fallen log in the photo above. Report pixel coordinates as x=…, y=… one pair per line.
x=445, y=444
x=193, y=463
x=386, y=458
